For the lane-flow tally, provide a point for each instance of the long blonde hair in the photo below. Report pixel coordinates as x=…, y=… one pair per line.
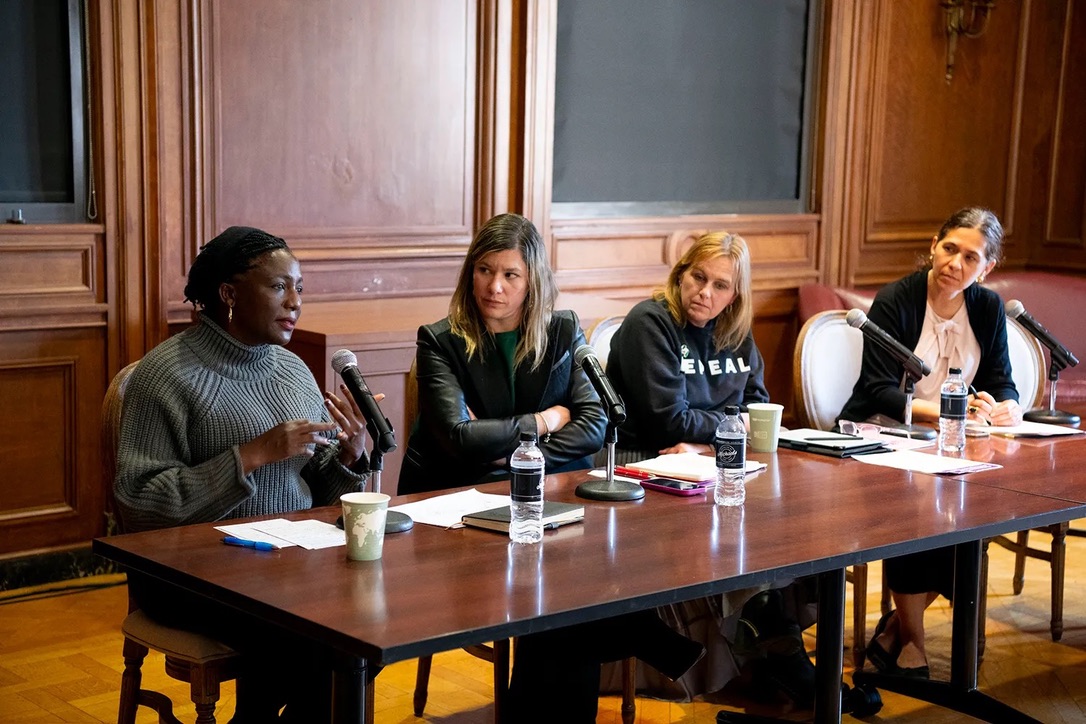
x=733, y=324
x=502, y=233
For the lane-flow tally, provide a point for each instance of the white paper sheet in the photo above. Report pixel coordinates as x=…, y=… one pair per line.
x=924, y=463
x=248, y=531
x=1033, y=429
x=309, y=534
x=446, y=511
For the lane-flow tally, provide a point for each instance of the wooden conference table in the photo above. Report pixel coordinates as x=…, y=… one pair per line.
x=437, y=590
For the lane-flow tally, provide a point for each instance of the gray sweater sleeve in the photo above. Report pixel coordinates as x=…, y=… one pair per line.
x=157, y=483
x=189, y=405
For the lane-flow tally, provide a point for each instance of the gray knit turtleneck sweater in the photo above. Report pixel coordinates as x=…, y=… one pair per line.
x=189, y=404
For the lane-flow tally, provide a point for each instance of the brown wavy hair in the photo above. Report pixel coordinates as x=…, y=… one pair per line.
x=502, y=233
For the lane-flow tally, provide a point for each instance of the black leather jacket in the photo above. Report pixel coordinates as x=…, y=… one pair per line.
x=449, y=449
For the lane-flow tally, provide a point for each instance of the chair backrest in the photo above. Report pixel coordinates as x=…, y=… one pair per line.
x=600, y=335
x=825, y=367
x=111, y=433
x=1027, y=364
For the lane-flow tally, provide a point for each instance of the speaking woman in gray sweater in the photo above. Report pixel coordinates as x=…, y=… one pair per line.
x=221, y=421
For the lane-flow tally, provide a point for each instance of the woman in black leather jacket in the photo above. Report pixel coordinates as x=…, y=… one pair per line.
x=500, y=364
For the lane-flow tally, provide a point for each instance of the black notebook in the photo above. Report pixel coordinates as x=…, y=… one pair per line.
x=554, y=515
x=834, y=444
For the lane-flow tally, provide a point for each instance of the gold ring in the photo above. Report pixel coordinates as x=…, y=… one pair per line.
x=973, y=409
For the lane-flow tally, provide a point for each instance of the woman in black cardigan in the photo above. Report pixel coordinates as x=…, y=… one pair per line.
x=500, y=364
x=949, y=321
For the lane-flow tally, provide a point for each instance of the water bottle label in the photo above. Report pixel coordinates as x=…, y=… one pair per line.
x=731, y=454
x=526, y=487
x=953, y=406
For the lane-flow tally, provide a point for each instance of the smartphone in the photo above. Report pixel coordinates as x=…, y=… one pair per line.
x=675, y=487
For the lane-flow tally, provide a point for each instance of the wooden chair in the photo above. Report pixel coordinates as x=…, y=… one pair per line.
x=1029, y=372
x=825, y=368
x=199, y=660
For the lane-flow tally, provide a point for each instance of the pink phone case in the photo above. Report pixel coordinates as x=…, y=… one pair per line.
x=675, y=487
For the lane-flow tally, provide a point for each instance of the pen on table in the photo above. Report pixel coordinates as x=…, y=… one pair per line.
x=631, y=473
x=243, y=543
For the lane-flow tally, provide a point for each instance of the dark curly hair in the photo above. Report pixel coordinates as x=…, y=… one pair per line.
x=231, y=253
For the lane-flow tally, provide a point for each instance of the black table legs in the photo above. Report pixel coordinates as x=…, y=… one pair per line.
x=829, y=652
x=960, y=693
x=352, y=691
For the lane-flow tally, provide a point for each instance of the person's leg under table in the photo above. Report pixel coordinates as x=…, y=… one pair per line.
x=960, y=693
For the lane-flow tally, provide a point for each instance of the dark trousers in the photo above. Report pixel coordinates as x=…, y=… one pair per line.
x=556, y=674
x=278, y=670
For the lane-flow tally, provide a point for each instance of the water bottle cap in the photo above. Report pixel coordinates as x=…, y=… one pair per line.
x=528, y=437
x=731, y=409
x=955, y=370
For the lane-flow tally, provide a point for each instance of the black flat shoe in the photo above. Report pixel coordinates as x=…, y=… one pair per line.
x=877, y=655
x=915, y=672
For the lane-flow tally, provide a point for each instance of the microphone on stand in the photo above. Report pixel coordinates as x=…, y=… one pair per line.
x=345, y=364
x=1061, y=358
x=609, y=489
x=915, y=368
x=1018, y=313
x=913, y=364
x=586, y=358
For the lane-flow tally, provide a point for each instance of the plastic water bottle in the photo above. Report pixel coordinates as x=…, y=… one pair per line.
x=953, y=397
x=526, y=491
x=731, y=459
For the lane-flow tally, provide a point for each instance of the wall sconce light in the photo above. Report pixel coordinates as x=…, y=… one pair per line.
x=969, y=21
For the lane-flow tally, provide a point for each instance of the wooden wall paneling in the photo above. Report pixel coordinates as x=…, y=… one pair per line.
x=1058, y=145
x=51, y=382
x=539, y=43
x=363, y=154
x=924, y=155
x=834, y=145
x=497, y=106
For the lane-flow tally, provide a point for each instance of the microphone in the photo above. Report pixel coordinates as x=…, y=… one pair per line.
x=345, y=365
x=1060, y=354
x=586, y=358
x=913, y=364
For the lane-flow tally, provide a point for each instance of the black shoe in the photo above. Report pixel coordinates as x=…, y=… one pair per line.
x=883, y=660
x=765, y=629
x=793, y=675
x=662, y=647
x=915, y=672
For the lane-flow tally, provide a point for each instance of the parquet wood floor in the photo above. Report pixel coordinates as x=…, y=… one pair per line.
x=60, y=661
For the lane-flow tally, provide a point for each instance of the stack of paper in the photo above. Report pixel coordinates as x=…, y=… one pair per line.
x=686, y=466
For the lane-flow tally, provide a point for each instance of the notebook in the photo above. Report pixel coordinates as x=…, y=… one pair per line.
x=834, y=444
x=554, y=515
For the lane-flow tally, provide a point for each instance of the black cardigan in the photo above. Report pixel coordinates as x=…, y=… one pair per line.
x=449, y=449
x=899, y=308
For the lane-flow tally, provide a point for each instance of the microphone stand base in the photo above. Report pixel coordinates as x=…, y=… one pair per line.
x=1053, y=417
x=398, y=522
x=614, y=490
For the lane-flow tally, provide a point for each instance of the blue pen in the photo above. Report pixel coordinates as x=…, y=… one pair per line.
x=257, y=544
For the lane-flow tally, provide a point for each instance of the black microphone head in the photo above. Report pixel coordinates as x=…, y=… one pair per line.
x=856, y=318
x=1013, y=308
x=582, y=353
x=343, y=359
